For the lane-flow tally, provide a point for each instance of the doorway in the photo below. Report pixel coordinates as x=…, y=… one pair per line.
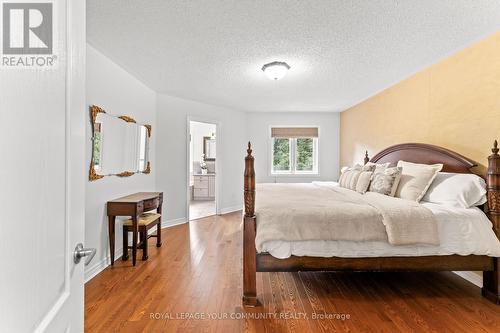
x=202, y=169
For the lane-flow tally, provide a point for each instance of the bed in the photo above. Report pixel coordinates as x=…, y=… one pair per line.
x=467, y=241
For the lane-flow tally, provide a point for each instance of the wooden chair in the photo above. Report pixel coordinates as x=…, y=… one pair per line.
x=146, y=222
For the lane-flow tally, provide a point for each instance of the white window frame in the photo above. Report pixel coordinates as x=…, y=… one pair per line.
x=293, y=172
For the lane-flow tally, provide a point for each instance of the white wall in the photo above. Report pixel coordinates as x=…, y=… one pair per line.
x=172, y=123
x=257, y=129
x=117, y=92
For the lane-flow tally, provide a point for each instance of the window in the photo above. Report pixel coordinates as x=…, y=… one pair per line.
x=281, y=155
x=294, y=150
x=304, y=153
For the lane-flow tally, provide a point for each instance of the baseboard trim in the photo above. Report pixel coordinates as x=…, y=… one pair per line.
x=471, y=277
x=173, y=223
x=101, y=265
x=105, y=262
x=231, y=209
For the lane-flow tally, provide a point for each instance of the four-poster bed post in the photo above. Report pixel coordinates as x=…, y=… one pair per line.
x=491, y=279
x=249, y=252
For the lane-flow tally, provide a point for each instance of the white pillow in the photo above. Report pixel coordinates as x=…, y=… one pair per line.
x=416, y=179
x=463, y=190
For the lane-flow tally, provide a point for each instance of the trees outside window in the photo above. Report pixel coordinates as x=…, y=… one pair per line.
x=294, y=156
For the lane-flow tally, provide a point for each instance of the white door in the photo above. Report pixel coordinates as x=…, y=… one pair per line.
x=42, y=171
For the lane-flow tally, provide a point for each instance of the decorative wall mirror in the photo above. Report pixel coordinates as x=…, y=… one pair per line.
x=120, y=145
x=209, y=148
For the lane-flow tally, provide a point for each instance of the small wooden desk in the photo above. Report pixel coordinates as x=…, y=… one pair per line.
x=131, y=205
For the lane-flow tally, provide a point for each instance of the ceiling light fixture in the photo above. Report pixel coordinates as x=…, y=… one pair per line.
x=275, y=70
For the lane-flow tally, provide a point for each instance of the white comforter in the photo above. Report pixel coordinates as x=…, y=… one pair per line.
x=461, y=231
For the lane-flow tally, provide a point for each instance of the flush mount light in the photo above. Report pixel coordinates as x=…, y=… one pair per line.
x=275, y=70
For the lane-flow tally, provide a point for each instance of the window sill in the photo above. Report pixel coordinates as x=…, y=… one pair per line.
x=295, y=175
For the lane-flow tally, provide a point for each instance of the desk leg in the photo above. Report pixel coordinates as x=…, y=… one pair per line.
x=158, y=228
x=111, y=229
x=144, y=240
x=134, y=238
x=125, y=244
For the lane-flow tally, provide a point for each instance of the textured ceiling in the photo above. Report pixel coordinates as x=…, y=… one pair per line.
x=341, y=52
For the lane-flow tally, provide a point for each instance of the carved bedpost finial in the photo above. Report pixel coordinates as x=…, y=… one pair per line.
x=249, y=191
x=367, y=159
x=495, y=148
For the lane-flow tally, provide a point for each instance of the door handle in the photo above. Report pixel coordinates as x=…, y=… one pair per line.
x=81, y=252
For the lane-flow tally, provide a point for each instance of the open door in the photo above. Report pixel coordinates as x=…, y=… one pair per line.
x=202, y=174
x=42, y=168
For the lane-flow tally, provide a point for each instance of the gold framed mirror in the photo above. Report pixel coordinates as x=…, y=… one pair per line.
x=120, y=145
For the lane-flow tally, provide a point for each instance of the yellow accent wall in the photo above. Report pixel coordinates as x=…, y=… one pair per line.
x=454, y=104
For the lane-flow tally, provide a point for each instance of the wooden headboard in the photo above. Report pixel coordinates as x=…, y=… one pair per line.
x=425, y=154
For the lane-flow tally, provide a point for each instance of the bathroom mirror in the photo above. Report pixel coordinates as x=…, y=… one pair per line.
x=120, y=145
x=209, y=145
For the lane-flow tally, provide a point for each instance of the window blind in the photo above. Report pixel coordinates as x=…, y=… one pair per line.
x=294, y=132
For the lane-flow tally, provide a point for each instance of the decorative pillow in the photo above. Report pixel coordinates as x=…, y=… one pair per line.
x=457, y=190
x=369, y=167
x=363, y=181
x=347, y=175
x=378, y=166
x=386, y=181
x=350, y=177
x=416, y=179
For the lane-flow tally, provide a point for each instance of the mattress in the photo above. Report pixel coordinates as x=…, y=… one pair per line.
x=461, y=231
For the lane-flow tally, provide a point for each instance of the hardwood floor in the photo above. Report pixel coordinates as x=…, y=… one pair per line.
x=201, y=208
x=197, y=272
